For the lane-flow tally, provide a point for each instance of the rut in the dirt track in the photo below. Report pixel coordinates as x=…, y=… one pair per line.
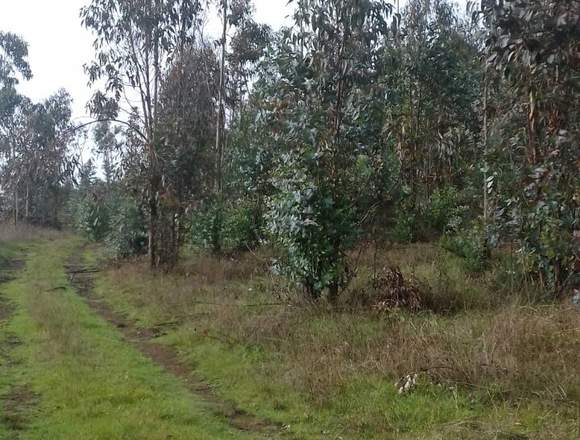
x=81, y=278
x=19, y=400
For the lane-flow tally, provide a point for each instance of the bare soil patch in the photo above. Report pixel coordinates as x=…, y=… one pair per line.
x=17, y=406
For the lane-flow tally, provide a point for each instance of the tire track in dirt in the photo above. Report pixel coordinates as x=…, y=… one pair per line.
x=82, y=279
x=20, y=400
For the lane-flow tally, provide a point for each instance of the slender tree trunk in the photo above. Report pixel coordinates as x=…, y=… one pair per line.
x=16, y=205
x=156, y=254
x=219, y=138
x=27, y=202
x=220, y=126
x=153, y=222
x=532, y=123
x=485, y=146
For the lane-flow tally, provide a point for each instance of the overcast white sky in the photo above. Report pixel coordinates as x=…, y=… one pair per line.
x=59, y=45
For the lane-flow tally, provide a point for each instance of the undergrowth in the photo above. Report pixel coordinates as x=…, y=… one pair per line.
x=491, y=363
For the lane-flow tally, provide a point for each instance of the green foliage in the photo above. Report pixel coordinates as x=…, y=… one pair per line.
x=443, y=208
x=326, y=121
x=535, y=134
x=431, y=84
x=442, y=212
x=101, y=213
x=13, y=60
x=313, y=226
x=322, y=116
x=89, y=207
x=37, y=162
x=128, y=232
x=244, y=226
x=547, y=242
x=403, y=229
x=471, y=244
x=207, y=227
x=404, y=224
x=237, y=226
x=91, y=217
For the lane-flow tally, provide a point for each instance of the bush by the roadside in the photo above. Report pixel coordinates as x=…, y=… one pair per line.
x=227, y=227
x=128, y=233
x=471, y=245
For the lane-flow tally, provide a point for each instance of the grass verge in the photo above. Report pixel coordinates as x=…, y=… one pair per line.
x=87, y=383
x=485, y=372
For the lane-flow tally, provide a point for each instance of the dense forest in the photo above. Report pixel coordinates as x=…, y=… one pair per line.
x=359, y=123
x=331, y=151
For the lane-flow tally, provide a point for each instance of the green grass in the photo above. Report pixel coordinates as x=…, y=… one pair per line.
x=8, y=251
x=322, y=374
x=297, y=367
x=365, y=408
x=89, y=383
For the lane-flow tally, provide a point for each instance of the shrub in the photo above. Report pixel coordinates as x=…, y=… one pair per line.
x=404, y=226
x=471, y=245
x=235, y=226
x=243, y=226
x=439, y=213
x=128, y=234
x=313, y=225
x=91, y=215
x=547, y=244
x=203, y=225
x=444, y=211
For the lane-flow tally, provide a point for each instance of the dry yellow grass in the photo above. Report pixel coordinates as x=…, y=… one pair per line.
x=25, y=232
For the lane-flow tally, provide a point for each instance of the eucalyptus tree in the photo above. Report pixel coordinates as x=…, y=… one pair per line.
x=327, y=69
x=188, y=102
x=535, y=132
x=13, y=67
x=221, y=115
x=239, y=216
x=40, y=163
x=432, y=83
x=135, y=42
x=235, y=15
x=107, y=146
x=13, y=60
x=248, y=47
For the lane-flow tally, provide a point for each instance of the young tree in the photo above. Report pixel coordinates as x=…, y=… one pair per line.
x=235, y=14
x=135, y=41
x=105, y=137
x=38, y=161
x=535, y=131
x=432, y=80
x=13, y=65
x=327, y=69
x=187, y=112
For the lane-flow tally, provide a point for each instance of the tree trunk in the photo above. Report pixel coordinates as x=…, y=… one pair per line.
x=16, y=205
x=27, y=203
x=219, y=138
x=153, y=221
x=220, y=126
x=485, y=189
x=532, y=127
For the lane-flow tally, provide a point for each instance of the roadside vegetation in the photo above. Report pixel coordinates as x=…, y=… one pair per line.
x=66, y=373
x=489, y=362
